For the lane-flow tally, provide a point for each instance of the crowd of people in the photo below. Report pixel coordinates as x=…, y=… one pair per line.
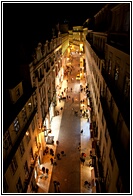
x=64, y=94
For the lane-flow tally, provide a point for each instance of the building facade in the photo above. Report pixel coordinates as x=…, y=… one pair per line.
x=30, y=114
x=107, y=57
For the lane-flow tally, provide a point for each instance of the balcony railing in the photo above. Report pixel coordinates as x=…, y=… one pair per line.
x=124, y=107
x=27, y=180
x=121, y=155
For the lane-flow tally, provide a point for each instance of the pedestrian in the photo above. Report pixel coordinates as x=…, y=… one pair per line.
x=57, y=142
x=82, y=154
x=82, y=160
x=62, y=152
x=72, y=99
x=47, y=170
x=58, y=156
x=53, y=142
x=51, y=152
x=55, y=183
x=58, y=185
x=71, y=89
x=43, y=170
x=52, y=161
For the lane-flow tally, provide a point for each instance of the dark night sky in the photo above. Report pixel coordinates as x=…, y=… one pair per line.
x=26, y=24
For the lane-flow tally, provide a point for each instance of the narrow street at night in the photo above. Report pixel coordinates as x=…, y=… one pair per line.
x=70, y=171
x=66, y=98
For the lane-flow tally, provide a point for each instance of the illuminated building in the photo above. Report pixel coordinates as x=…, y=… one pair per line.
x=107, y=57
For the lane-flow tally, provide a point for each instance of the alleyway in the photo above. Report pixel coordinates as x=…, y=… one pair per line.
x=66, y=128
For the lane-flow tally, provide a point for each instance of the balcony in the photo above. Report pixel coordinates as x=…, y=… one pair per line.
x=120, y=41
x=122, y=104
x=27, y=180
x=121, y=155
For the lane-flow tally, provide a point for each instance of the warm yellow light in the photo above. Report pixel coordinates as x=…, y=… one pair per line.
x=27, y=133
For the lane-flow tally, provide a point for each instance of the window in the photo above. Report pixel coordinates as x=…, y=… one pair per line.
x=106, y=135
x=96, y=131
x=103, y=155
x=127, y=86
x=103, y=120
x=16, y=125
x=99, y=107
x=18, y=92
x=7, y=140
x=21, y=147
x=14, y=165
x=107, y=179
x=119, y=185
x=111, y=104
x=31, y=153
x=19, y=186
x=100, y=140
x=109, y=67
x=119, y=123
x=26, y=170
x=112, y=156
x=28, y=136
x=33, y=125
x=117, y=69
x=24, y=116
x=5, y=185
x=36, y=140
x=126, y=21
x=116, y=72
x=29, y=106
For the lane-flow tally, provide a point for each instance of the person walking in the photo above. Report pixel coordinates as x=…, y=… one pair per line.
x=52, y=161
x=58, y=156
x=43, y=170
x=62, y=152
x=57, y=142
x=47, y=170
x=58, y=186
x=55, y=188
x=81, y=131
x=82, y=160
